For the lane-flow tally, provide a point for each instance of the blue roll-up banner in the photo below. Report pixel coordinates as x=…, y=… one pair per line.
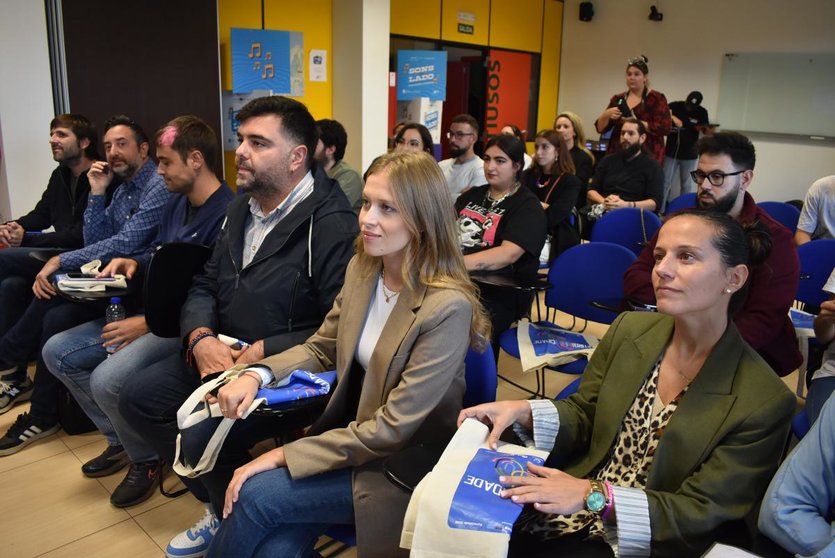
x=421, y=73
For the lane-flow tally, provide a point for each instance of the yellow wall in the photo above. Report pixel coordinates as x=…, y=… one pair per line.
x=549, y=64
x=416, y=19
x=526, y=25
x=517, y=24
x=451, y=12
x=311, y=17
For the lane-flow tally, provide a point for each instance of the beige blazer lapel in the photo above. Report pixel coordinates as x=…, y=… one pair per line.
x=402, y=318
x=352, y=318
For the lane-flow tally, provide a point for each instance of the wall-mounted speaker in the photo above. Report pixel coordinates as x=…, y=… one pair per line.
x=586, y=11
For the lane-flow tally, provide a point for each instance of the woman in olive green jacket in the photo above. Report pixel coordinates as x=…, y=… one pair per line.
x=677, y=426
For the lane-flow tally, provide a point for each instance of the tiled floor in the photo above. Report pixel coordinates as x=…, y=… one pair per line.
x=51, y=510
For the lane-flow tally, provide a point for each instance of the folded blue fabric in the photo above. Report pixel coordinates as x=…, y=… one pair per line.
x=299, y=385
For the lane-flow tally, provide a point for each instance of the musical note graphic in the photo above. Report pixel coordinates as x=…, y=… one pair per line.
x=269, y=71
x=255, y=50
x=256, y=66
x=268, y=56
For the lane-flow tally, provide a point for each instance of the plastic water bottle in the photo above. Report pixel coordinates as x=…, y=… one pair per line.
x=114, y=313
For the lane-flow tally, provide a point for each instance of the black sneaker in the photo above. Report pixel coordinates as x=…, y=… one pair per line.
x=14, y=392
x=138, y=485
x=111, y=460
x=23, y=432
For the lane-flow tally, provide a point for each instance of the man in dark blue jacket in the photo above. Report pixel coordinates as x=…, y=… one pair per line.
x=187, y=150
x=276, y=268
x=74, y=141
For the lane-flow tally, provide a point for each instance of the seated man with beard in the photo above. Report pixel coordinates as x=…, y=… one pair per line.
x=629, y=177
x=722, y=176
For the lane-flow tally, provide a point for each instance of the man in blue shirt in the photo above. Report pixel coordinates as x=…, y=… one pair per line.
x=126, y=226
x=798, y=510
x=187, y=150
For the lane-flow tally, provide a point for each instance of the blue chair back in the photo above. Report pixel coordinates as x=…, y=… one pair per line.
x=683, y=201
x=481, y=376
x=800, y=424
x=629, y=226
x=568, y=390
x=785, y=214
x=817, y=260
x=587, y=273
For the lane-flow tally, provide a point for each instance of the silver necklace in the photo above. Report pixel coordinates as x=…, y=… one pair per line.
x=494, y=202
x=387, y=294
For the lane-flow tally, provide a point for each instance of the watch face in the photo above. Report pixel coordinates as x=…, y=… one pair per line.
x=595, y=502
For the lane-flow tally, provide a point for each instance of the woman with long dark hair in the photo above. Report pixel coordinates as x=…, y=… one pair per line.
x=551, y=178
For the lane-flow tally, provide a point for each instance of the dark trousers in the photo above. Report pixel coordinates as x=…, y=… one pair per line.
x=149, y=402
x=17, y=274
x=41, y=320
x=524, y=545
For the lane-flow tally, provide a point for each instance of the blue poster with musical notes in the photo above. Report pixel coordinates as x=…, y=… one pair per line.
x=267, y=59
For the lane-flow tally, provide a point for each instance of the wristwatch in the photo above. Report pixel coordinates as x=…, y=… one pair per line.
x=597, y=499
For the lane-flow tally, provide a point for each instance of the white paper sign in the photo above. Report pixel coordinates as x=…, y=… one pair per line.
x=318, y=65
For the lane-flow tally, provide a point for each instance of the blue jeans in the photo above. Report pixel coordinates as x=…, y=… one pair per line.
x=278, y=516
x=683, y=166
x=78, y=359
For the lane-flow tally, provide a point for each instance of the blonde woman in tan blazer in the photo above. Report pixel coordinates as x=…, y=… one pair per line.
x=397, y=336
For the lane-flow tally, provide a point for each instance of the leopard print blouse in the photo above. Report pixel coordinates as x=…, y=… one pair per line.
x=628, y=463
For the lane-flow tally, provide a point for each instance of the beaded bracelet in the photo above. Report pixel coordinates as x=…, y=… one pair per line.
x=197, y=338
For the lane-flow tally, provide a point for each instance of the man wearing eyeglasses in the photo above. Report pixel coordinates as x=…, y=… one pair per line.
x=464, y=169
x=723, y=174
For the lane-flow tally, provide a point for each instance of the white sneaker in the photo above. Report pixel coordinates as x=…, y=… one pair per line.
x=194, y=541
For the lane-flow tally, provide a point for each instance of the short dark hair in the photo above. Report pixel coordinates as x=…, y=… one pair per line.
x=642, y=130
x=425, y=136
x=467, y=119
x=188, y=133
x=738, y=147
x=82, y=128
x=333, y=134
x=297, y=124
x=512, y=147
x=121, y=120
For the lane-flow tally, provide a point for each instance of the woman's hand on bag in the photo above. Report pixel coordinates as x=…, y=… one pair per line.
x=236, y=396
x=550, y=491
x=499, y=416
x=273, y=459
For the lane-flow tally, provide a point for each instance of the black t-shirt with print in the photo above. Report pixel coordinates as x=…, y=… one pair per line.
x=518, y=218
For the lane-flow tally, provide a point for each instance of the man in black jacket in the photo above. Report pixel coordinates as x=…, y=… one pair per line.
x=74, y=141
x=277, y=266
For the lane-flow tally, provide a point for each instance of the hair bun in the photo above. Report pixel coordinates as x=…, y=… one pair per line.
x=646, y=60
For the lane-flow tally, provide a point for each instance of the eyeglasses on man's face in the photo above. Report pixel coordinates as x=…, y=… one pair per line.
x=716, y=178
x=458, y=135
